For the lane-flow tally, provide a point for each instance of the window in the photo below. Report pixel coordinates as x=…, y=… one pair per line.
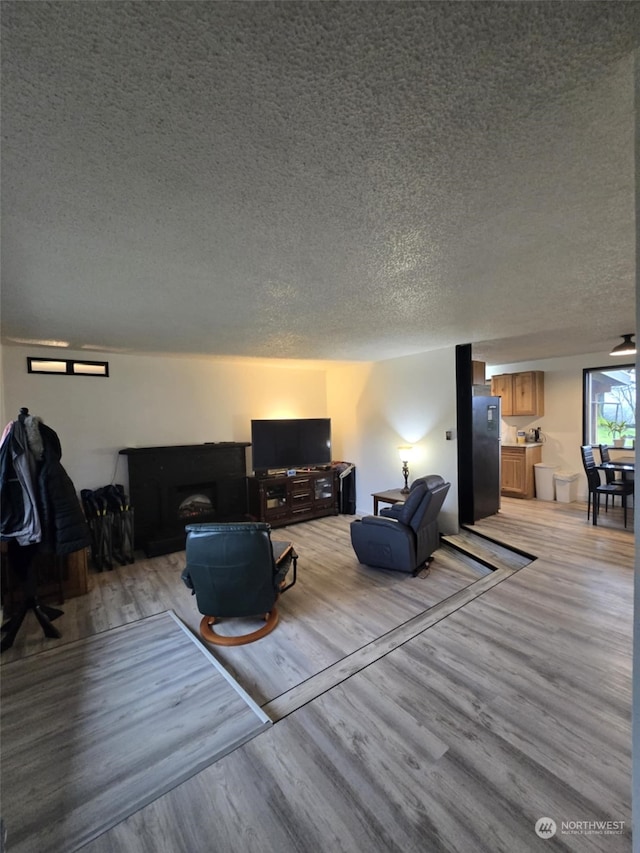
x=609, y=405
x=67, y=367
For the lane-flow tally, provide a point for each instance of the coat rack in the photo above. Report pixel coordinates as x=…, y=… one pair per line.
x=22, y=563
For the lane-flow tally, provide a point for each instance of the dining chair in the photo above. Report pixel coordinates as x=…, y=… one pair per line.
x=610, y=476
x=596, y=487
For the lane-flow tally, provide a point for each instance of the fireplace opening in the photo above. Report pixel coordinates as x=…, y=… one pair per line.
x=194, y=506
x=196, y=503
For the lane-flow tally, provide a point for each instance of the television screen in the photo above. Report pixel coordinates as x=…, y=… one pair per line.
x=292, y=443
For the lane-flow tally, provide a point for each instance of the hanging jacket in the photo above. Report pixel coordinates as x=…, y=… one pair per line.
x=64, y=528
x=39, y=500
x=19, y=513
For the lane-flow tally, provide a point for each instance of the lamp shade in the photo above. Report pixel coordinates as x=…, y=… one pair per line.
x=627, y=347
x=405, y=452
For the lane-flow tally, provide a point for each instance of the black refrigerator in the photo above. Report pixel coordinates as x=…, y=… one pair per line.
x=485, y=456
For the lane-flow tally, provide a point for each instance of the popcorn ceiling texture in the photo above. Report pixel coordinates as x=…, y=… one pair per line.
x=336, y=180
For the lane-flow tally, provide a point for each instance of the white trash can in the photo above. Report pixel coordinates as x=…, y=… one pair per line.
x=543, y=473
x=566, y=486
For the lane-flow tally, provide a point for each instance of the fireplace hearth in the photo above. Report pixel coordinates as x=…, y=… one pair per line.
x=173, y=486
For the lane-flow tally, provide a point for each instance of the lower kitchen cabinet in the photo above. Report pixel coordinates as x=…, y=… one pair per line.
x=517, y=474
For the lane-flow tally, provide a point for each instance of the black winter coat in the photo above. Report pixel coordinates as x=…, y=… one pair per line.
x=64, y=528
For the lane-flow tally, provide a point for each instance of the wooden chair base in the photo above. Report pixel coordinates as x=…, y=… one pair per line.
x=207, y=633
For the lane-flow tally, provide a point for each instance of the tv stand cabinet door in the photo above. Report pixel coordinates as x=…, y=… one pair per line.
x=269, y=500
x=325, y=492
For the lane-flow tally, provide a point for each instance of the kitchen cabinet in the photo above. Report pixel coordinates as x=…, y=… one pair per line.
x=517, y=471
x=501, y=386
x=478, y=369
x=522, y=393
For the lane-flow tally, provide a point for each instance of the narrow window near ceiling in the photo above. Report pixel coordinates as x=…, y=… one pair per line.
x=90, y=368
x=46, y=365
x=67, y=367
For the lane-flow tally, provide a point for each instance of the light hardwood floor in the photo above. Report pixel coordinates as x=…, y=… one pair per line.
x=120, y=717
x=398, y=730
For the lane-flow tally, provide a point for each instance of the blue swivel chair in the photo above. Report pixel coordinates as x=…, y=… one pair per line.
x=236, y=570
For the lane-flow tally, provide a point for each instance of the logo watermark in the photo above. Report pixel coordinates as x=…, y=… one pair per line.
x=546, y=827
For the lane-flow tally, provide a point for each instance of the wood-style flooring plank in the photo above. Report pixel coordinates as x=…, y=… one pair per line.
x=514, y=706
x=96, y=729
x=494, y=554
x=318, y=684
x=336, y=607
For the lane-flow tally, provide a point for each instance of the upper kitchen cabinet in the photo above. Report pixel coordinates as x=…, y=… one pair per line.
x=522, y=393
x=502, y=386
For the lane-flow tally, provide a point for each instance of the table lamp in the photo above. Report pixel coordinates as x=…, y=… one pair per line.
x=405, y=452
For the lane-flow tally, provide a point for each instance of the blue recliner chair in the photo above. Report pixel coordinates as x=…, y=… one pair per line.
x=404, y=536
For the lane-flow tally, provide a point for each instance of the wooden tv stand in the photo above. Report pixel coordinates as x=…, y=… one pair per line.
x=280, y=500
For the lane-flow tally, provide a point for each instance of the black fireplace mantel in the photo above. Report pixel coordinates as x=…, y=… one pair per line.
x=165, y=480
x=184, y=448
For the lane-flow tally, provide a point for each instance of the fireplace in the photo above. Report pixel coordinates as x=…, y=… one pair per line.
x=171, y=487
x=199, y=505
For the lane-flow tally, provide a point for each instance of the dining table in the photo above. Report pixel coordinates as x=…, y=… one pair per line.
x=624, y=464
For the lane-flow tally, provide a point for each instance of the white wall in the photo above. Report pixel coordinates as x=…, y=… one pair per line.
x=381, y=405
x=157, y=400
x=562, y=422
x=153, y=401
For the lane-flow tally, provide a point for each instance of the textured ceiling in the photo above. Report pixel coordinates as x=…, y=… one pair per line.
x=317, y=179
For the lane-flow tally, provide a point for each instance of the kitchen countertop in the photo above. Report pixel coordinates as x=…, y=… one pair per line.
x=526, y=444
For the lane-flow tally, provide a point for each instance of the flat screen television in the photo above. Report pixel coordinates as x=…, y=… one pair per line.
x=290, y=443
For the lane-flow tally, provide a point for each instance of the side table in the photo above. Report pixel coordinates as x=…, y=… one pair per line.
x=391, y=496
